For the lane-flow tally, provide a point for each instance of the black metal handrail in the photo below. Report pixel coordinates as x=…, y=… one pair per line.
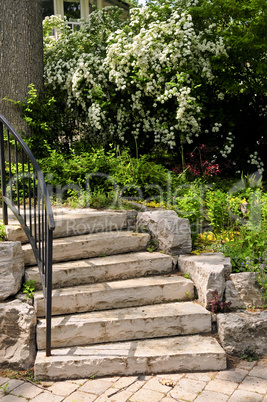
x=26, y=183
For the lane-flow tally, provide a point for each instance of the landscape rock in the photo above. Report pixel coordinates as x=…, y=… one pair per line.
x=208, y=272
x=11, y=268
x=172, y=233
x=240, y=331
x=15, y=232
x=17, y=335
x=243, y=290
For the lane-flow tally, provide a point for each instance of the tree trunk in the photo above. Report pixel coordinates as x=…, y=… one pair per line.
x=21, y=55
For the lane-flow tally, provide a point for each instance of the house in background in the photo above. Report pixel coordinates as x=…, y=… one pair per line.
x=76, y=9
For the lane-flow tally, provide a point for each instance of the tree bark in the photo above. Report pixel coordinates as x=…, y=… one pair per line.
x=21, y=55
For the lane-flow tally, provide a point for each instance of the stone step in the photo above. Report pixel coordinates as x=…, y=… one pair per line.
x=151, y=356
x=117, y=294
x=92, y=245
x=76, y=222
x=110, y=268
x=152, y=321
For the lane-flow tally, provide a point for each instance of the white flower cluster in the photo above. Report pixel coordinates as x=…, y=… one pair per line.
x=228, y=146
x=256, y=160
x=136, y=81
x=216, y=127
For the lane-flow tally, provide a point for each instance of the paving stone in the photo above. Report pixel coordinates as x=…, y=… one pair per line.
x=145, y=395
x=80, y=396
x=3, y=380
x=48, y=397
x=245, y=365
x=144, y=377
x=209, y=396
x=12, y=384
x=12, y=398
x=63, y=388
x=155, y=385
x=27, y=390
x=114, y=395
x=224, y=387
x=125, y=382
x=259, y=371
x=179, y=393
x=79, y=382
x=262, y=362
x=135, y=386
x=168, y=399
x=192, y=386
x=47, y=384
x=201, y=376
x=96, y=386
x=254, y=384
x=236, y=375
x=245, y=396
x=172, y=377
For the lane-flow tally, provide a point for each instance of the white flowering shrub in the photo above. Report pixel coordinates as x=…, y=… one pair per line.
x=138, y=81
x=159, y=61
x=74, y=66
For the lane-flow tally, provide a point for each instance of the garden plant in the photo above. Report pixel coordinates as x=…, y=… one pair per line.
x=167, y=109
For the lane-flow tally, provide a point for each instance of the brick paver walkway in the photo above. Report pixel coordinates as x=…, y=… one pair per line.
x=247, y=382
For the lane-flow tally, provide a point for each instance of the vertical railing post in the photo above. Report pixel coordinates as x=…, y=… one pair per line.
x=3, y=173
x=49, y=251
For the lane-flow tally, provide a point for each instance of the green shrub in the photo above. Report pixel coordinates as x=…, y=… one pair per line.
x=2, y=231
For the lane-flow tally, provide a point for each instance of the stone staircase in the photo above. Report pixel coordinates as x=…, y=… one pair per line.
x=117, y=309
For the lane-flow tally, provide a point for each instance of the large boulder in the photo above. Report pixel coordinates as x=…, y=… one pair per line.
x=239, y=332
x=172, y=233
x=208, y=271
x=17, y=335
x=243, y=290
x=11, y=268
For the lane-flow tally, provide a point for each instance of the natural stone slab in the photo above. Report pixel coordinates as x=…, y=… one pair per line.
x=124, y=324
x=172, y=233
x=239, y=331
x=243, y=290
x=73, y=223
x=11, y=268
x=17, y=335
x=208, y=272
x=117, y=294
x=92, y=245
x=115, y=267
x=164, y=355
